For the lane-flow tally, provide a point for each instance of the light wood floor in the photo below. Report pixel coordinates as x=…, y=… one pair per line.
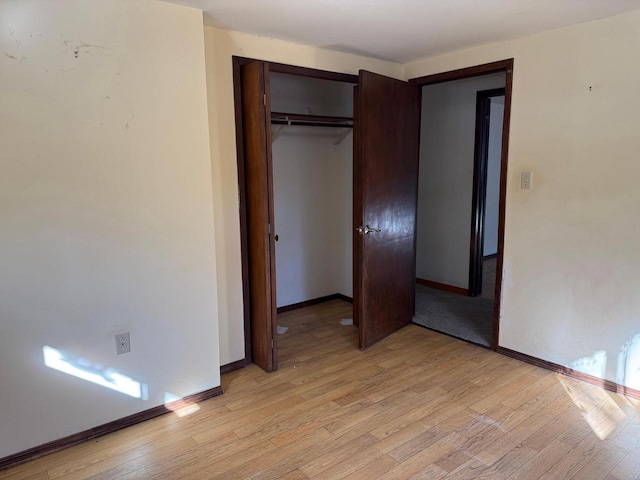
x=416, y=405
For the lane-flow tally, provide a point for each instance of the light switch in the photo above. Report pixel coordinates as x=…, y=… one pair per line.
x=525, y=180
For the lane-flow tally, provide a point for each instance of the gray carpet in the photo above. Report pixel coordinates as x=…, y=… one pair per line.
x=468, y=318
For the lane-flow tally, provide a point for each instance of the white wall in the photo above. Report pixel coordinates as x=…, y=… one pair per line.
x=220, y=45
x=445, y=188
x=313, y=191
x=571, y=283
x=492, y=195
x=312, y=181
x=106, y=208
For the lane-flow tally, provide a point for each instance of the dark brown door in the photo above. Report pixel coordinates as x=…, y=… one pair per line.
x=479, y=198
x=357, y=210
x=259, y=192
x=385, y=204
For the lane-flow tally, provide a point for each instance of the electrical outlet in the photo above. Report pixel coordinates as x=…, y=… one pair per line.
x=123, y=345
x=525, y=180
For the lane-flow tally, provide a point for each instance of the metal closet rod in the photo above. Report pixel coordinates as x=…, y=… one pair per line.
x=280, y=118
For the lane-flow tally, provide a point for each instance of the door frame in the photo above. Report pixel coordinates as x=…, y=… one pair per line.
x=237, y=64
x=505, y=66
x=479, y=199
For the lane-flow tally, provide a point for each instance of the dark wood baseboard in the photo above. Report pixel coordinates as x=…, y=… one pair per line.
x=570, y=372
x=315, y=301
x=230, y=367
x=344, y=298
x=93, y=433
x=443, y=286
x=489, y=257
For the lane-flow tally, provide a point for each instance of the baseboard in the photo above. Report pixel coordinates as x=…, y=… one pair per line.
x=230, y=367
x=314, y=301
x=344, y=298
x=443, y=286
x=570, y=372
x=489, y=257
x=93, y=433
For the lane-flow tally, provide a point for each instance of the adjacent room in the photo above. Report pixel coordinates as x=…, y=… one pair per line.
x=461, y=134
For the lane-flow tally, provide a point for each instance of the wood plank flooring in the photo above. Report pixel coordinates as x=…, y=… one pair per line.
x=418, y=405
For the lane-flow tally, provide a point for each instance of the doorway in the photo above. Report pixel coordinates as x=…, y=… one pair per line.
x=464, y=151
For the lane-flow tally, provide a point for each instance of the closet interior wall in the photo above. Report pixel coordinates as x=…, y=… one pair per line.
x=313, y=191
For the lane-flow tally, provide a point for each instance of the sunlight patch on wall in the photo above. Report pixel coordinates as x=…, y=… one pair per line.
x=629, y=364
x=595, y=365
x=179, y=405
x=86, y=370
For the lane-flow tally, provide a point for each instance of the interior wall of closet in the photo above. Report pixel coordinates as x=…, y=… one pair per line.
x=312, y=152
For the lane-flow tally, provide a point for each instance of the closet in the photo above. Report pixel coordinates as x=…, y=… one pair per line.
x=299, y=231
x=312, y=157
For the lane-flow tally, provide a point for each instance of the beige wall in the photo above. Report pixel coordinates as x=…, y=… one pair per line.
x=571, y=245
x=106, y=212
x=220, y=46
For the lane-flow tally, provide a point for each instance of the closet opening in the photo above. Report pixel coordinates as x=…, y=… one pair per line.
x=295, y=166
x=312, y=155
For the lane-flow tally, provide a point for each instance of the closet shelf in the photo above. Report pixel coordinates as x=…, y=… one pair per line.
x=281, y=118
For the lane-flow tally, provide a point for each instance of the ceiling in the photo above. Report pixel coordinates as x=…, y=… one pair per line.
x=401, y=30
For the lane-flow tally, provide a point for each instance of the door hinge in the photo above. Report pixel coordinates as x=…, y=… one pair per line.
x=269, y=228
x=272, y=344
x=264, y=99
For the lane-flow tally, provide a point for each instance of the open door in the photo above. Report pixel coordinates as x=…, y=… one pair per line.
x=480, y=186
x=385, y=204
x=259, y=205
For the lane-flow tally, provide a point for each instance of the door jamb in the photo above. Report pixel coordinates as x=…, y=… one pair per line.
x=237, y=63
x=479, y=199
x=475, y=71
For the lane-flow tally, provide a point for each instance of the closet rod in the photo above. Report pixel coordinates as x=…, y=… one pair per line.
x=310, y=120
x=312, y=124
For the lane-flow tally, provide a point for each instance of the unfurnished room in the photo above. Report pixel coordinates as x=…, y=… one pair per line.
x=319, y=240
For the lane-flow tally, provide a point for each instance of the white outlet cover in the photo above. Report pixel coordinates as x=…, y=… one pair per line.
x=123, y=343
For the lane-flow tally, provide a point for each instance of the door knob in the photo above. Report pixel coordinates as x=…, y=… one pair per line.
x=367, y=229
